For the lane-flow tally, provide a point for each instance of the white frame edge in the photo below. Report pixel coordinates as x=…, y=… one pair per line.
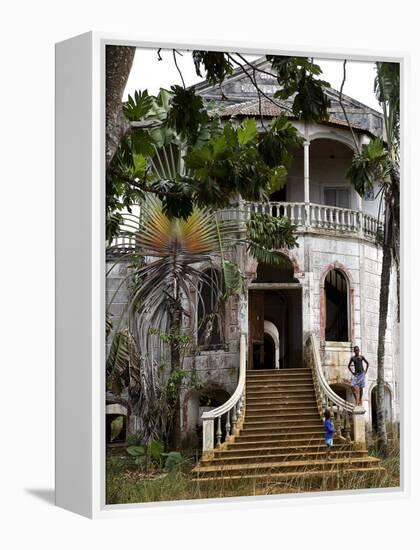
x=80, y=278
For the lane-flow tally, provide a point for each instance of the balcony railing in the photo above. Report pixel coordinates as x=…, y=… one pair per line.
x=307, y=217
x=319, y=216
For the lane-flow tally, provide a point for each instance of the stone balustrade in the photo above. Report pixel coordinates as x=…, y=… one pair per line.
x=318, y=218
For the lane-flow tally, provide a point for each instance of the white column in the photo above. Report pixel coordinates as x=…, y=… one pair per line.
x=306, y=179
x=359, y=428
x=208, y=439
x=306, y=169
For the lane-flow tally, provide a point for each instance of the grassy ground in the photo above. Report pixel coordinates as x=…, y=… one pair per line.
x=128, y=484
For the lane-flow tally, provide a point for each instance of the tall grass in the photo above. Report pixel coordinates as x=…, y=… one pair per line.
x=126, y=484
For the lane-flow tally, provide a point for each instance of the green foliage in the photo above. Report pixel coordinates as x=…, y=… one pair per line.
x=144, y=455
x=156, y=449
x=132, y=440
x=247, y=132
x=230, y=164
x=233, y=281
x=138, y=452
x=387, y=84
x=216, y=65
x=370, y=167
x=149, y=157
x=186, y=113
x=296, y=76
x=137, y=107
x=267, y=235
x=275, y=146
x=123, y=364
x=173, y=461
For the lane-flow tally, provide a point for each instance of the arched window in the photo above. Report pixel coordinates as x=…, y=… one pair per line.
x=210, y=310
x=336, y=307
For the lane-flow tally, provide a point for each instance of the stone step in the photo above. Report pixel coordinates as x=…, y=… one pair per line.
x=285, y=414
x=308, y=436
x=242, y=449
x=256, y=456
x=282, y=394
x=282, y=408
x=276, y=443
x=278, y=372
x=251, y=384
x=286, y=476
x=268, y=429
x=284, y=400
x=279, y=387
x=337, y=464
x=280, y=423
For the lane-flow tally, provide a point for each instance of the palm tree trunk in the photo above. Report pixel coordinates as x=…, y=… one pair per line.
x=383, y=314
x=175, y=422
x=174, y=436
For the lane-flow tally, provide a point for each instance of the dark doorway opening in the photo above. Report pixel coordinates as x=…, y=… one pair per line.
x=336, y=303
x=269, y=352
x=275, y=318
x=283, y=309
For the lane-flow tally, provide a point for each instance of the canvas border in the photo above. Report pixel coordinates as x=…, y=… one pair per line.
x=98, y=507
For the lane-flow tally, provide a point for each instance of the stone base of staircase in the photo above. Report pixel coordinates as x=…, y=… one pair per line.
x=282, y=436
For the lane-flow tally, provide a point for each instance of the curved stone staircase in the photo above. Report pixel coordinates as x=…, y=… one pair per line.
x=282, y=436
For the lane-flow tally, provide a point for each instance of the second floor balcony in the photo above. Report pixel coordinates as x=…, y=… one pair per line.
x=321, y=218
x=312, y=218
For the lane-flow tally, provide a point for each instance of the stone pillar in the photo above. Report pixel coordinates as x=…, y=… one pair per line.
x=306, y=180
x=208, y=440
x=359, y=428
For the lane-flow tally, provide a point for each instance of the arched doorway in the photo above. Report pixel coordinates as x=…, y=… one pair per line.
x=271, y=345
x=374, y=407
x=275, y=318
x=336, y=307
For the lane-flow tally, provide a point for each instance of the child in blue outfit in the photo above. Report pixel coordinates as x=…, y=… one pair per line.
x=329, y=432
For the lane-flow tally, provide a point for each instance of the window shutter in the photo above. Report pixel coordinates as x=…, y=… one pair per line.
x=343, y=198
x=330, y=197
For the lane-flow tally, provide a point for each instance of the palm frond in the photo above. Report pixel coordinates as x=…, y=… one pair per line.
x=123, y=364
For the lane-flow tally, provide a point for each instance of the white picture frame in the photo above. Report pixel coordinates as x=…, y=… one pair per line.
x=80, y=285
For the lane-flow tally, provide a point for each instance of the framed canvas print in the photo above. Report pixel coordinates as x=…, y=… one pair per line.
x=228, y=273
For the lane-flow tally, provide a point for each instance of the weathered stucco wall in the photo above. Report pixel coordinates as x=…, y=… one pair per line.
x=360, y=260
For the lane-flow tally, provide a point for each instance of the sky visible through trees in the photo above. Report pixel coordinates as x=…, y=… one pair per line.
x=151, y=74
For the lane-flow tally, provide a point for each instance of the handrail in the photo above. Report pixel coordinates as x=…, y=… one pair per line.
x=325, y=387
x=326, y=398
x=214, y=413
x=234, y=409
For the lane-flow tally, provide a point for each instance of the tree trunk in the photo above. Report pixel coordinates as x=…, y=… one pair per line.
x=383, y=314
x=119, y=60
x=175, y=433
x=174, y=436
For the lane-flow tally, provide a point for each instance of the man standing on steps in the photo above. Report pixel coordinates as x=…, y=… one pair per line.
x=358, y=375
